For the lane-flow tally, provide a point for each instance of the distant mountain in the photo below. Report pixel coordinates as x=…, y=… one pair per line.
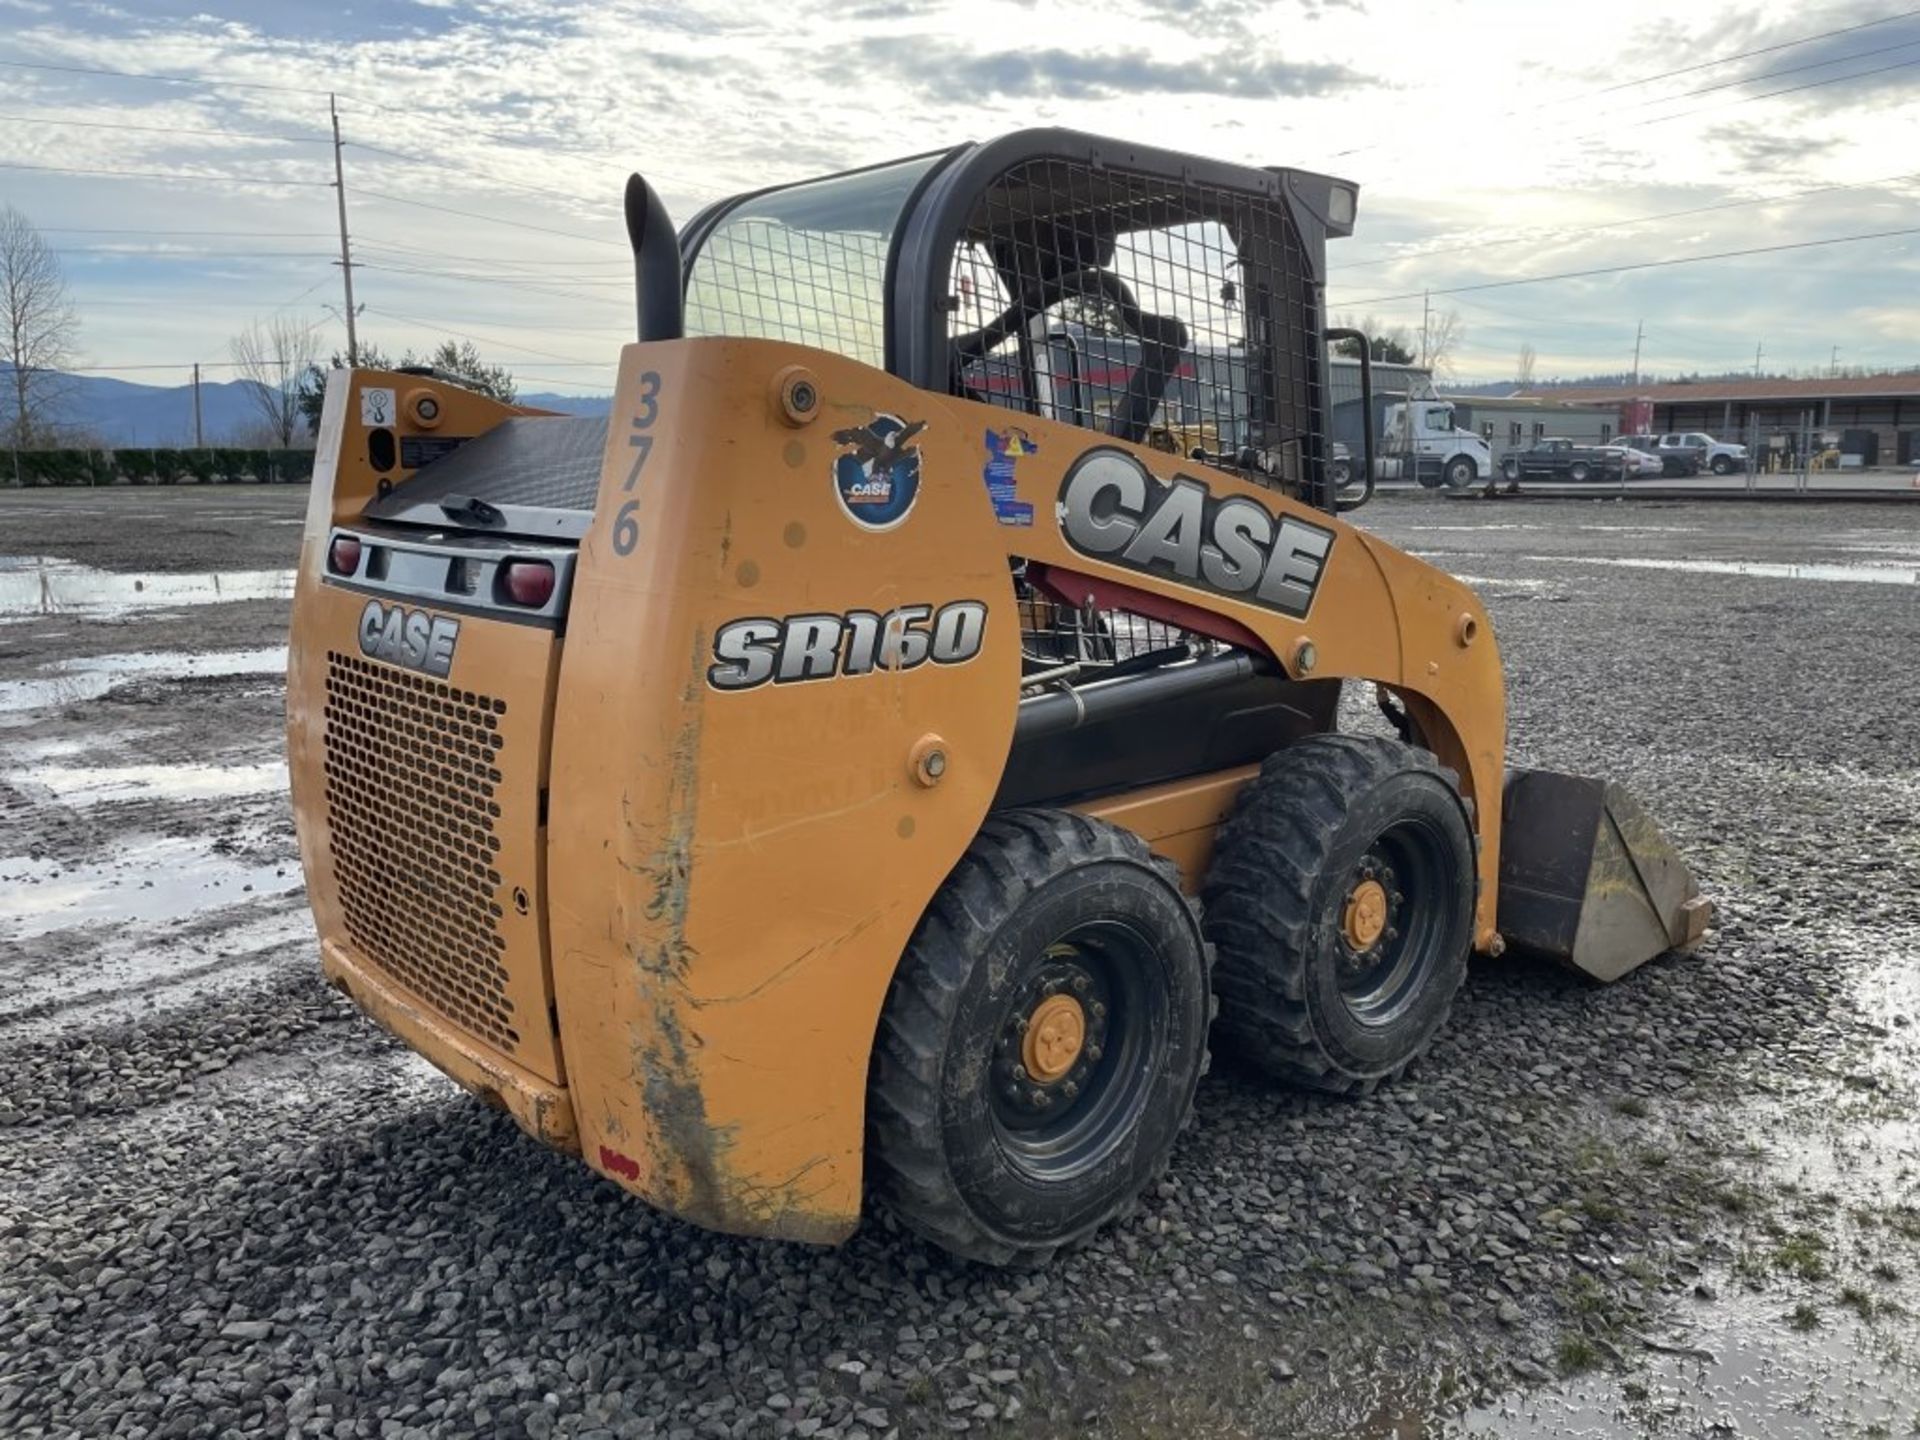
x=121, y=413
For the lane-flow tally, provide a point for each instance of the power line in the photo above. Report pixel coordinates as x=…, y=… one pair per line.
x=1545, y=232
x=192, y=254
x=145, y=230
x=173, y=79
x=1748, y=99
x=1640, y=265
x=1614, y=127
x=166, y=129
x=1749, y=54
x=494, y=219
x=485, y=339
x=1671, y=74
x=516, y=261
x=165, y=175
x=504, y=282
x=490, y=179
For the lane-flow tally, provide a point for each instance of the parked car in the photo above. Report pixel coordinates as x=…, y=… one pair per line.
x=1673, y=463
x=1719, y=456
x=1557, y=458
x=1637, y=463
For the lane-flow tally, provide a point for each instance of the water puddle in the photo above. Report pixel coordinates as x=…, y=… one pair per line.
x=48, y=585
x=147, y=880
x=92, y=676
x=149, y=968
x=1764, y=569
x=95, y=785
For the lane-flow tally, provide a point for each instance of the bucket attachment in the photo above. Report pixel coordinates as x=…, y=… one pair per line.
x=1586, y=877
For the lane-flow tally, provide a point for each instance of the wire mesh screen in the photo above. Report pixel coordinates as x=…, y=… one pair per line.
x=1148, y=308
x=1097, y=641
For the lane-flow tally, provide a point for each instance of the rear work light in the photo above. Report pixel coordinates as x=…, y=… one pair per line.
x=343, y=556
x=527, y=582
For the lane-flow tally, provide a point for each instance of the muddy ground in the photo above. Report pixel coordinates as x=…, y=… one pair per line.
x=1686, y=1204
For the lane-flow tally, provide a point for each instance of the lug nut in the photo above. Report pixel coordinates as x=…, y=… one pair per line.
x=1042, y=1099
x=1019, y=1072
x=1093, y=1053
x=1080, y=984
x=1070, y=1089
x=1099, y=1010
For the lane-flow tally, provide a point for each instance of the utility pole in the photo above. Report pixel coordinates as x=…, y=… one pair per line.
x=346, y=254
x=1639, y=334
x=1833, y=365
x=198, y=442
x=1758, y=350
x=1426, y=306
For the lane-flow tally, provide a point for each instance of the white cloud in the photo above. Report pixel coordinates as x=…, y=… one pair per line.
x=1474, y=123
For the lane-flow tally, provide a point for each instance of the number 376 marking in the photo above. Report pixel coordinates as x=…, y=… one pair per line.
x=626, y=528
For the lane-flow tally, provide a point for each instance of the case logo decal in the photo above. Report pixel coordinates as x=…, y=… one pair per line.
x=877, y=473
x=412, y=638
x=750, y=652
x=1114, y=509
x=1005, y=449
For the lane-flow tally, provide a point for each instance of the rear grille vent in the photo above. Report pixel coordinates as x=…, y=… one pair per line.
x=413, y=769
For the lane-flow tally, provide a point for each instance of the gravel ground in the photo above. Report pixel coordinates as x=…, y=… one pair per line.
x=1682, y=1202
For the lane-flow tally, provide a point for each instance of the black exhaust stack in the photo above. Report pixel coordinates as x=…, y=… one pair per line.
x=656, y=262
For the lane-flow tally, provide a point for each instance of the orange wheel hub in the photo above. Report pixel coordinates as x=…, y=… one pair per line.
x=1056, y=1031
x=1366, y=915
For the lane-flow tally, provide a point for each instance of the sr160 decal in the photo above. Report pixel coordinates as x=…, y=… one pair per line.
x=1114, y=509
x=751, y=652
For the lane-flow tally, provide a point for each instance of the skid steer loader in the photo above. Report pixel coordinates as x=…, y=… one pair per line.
x=862, y=763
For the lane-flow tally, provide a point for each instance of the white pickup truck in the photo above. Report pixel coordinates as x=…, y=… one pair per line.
x=1718, y=456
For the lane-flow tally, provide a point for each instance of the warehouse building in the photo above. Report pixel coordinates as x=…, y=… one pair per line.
x=1519, y=422
x=1872, y=419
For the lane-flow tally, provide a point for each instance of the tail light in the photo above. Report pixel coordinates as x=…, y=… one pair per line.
x=343, y=556
x=527, y=582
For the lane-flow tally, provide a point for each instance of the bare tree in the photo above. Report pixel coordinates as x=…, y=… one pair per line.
x=41, y=328
x=1523, y=369
x=1391, y=344
x=1441, y=336
x=271, y=357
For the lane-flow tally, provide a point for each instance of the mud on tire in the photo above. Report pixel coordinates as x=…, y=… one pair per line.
x=1047, y=916
x=1328, y=824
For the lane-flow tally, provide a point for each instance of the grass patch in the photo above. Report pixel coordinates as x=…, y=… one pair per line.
x=1802, y=1254
x=1858, y=1301
x=1577, y=1354
x=1632, y=1106
x=1600, y=1208
x=1804, y=1317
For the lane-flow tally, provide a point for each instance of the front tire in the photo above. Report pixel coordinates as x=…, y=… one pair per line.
x=1040, y=1045
x=1578, y=471
x=1461, y=472
x=1722, y=465
x=1340, y=903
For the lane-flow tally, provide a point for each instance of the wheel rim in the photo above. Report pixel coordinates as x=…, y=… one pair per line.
x=1390, y=922
x=1072, y=1067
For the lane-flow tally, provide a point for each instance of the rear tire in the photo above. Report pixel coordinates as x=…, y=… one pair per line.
x=1046, y=912
x=1333, y=827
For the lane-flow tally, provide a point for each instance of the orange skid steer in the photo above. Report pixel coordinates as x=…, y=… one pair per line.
x=862, y=761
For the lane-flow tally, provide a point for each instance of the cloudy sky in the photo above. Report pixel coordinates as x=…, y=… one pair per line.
x=488, y=141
